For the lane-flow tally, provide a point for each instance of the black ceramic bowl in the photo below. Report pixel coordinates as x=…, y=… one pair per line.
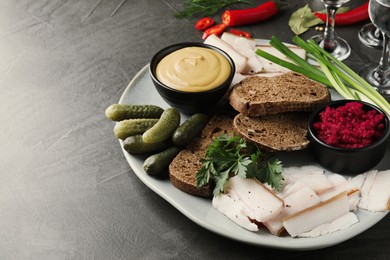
x=190, y=102
x=348, y=160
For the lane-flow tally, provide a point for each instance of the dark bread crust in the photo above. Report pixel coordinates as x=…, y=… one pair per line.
x=183, y=168
x=281, y=132
x=256, y=96
x=182, y=172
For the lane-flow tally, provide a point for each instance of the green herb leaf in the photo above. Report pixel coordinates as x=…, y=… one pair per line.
x=272, y=174
x=203, y=175
x=302, y=19
x=241, y=167
x=227, y=157
x=220, y=182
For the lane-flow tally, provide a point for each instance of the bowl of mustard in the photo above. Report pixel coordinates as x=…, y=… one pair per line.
x=192, y=77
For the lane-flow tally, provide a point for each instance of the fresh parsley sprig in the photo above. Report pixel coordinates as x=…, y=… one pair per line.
x=228, y=156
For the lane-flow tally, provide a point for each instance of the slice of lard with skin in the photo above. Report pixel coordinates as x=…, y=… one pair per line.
x=291, y=188
x=355, y=196
x=296, y=198
x=358, y=180
x=233, y=209
x=262, y=203
x=311, y=176
x=354, y=199
x=314, y=216
x=269, y=66
x=245, y=47
x=239, y=60
x=231, y=38
x=366, y=188
x=339, y=184
x=342, y=222
x=375, y=193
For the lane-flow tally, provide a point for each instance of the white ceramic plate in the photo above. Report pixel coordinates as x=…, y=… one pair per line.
x=141, y=91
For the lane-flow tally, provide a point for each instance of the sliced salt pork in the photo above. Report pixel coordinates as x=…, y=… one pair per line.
x=245, y=47
x=240, y=61
x=312, y=217
x=296, y=198
x=233, y=209
x=262, y=204
x=339, y=184
x=375, y=193
x=354, y=199
x=291, y=188
x=358, y=180
x=232, y=39
x=342, y=222
x=311, y=176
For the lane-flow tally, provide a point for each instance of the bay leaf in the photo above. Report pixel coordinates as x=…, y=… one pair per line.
x=303, y=19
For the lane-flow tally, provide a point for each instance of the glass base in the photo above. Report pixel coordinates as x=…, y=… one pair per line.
x=341, y=51
x=369, y=74
x=368, y=37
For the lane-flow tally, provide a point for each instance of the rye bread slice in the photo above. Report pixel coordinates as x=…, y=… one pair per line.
x=281, y=132
x=255, y=96
x=186, y=164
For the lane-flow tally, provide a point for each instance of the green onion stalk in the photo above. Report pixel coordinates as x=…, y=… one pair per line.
x=331, y=72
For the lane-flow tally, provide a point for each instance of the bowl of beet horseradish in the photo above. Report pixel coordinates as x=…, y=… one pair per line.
x=348, y=136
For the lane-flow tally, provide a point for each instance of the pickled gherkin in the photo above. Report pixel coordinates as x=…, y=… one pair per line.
x=134, y=145
x=163, y=129
x=157, y=164
x=190, y=129
x=128, y=127
x=119, y=112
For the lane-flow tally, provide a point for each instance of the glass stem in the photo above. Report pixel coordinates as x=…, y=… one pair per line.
x=377, y=33
x=383, y=67
x=329, y=41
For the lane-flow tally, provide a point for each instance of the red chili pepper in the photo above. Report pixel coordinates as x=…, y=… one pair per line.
x=216, y=29
x=355, y=15
x=240, y=33
x=204, y=23
x=250, y=15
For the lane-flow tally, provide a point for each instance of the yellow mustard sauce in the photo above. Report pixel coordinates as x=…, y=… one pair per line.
x=193, y=69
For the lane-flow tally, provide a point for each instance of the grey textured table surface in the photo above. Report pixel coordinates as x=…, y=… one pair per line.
x=66, y=190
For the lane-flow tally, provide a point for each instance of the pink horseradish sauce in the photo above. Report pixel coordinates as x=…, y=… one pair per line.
x=349, y=126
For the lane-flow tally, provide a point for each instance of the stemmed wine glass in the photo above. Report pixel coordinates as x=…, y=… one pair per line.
x=336, y=46
x=379, y=75
x=371, y=36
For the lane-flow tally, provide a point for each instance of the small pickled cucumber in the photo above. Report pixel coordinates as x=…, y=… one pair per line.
x=134, y=145
x=190, y=129
x=157, y=164
x=119, y=112
x=163, y=129
x=128, y=127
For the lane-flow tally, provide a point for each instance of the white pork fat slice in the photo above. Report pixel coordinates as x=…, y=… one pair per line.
x=358, y=180
x=312, y=176
x=354, y=196
x=340, y=223
x=296, y=197
x=234, y=210
x=314, y=216
x=269, y=66
x=260, y=202
x=239, y=60
x=245, y=47
x=339, y=184
x=375, y=193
